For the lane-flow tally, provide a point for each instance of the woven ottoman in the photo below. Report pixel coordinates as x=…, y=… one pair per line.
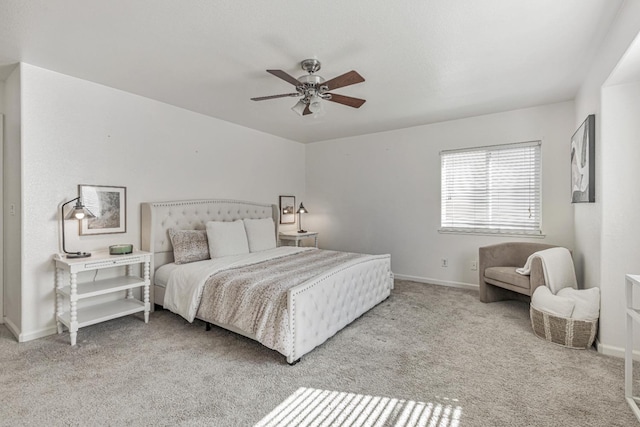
x=572, y=333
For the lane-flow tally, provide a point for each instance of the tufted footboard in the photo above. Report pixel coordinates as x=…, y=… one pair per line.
x=320, y=308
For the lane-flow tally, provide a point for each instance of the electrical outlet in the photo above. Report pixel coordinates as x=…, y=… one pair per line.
x=474, y=265
x=444, y=263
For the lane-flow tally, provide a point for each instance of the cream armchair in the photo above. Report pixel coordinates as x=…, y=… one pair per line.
x=497, y=271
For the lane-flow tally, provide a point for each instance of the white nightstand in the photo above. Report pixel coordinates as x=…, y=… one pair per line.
x=75, y=317
x=294, y=236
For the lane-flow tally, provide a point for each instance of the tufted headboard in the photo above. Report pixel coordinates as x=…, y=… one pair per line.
x=159, y=217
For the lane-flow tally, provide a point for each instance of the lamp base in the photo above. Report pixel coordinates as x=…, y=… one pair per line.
x=79, y=255
x=302, y=231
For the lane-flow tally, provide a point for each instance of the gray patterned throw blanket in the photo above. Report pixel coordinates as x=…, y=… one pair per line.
x=253, y=298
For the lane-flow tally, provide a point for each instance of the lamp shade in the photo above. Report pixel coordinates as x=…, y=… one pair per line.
x=302, y=209
x=314, y=104
x=299, y=107
x=79, y=212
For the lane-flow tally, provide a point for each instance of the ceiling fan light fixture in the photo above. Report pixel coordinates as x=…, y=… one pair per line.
x=320, y=113
x=315, y=104
x=299, y=107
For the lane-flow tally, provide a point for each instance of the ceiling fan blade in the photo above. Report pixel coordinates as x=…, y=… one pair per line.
x=347, y=79
x=347, y=100
x=284, y=76
x=283, y=95
x=306, y=110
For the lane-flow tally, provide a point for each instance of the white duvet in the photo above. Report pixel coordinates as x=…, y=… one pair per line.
x=186, y=282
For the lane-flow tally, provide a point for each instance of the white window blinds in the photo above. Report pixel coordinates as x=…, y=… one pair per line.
x=494, y=189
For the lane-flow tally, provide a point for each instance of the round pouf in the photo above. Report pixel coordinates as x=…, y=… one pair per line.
x=572, y=333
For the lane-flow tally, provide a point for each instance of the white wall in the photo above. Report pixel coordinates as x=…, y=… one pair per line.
x=588, y=216
x=380, y=193
x=621, y=201
x=2, y=109
x=2, y=106
x=12, y=248
x=77, y=132
x=593, y=264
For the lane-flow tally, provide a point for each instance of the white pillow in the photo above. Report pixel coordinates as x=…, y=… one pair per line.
x=587, y=302
x=544, y=300
x=227, y=238
x=261, y=234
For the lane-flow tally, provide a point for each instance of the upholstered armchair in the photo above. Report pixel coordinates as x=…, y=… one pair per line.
x=497, y=271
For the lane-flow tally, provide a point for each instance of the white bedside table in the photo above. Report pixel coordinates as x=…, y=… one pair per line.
x=74, y=316
x=294, y=236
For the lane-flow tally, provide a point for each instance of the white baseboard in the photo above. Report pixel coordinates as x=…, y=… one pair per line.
x=610, y=350
x=38, y=334
x=12, y=327
x=437, y=282
x=21, y=337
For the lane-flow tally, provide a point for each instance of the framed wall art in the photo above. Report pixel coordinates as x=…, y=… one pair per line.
x=108, y=204
x=287, y=210
x=583, y=162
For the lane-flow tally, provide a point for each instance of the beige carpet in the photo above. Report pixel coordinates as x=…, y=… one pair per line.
x=426, y=344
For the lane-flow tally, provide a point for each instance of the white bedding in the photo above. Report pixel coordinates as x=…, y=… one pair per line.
x=161, y=277
x=186, y=281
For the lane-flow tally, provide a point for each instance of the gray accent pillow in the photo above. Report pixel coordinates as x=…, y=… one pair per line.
x=189, y=245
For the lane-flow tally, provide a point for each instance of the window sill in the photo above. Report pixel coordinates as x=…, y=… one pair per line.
x=494, y=233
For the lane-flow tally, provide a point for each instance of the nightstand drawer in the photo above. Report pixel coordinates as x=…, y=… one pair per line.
x=123, y=260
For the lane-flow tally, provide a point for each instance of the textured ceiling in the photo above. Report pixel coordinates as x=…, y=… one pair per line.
x=424, y=61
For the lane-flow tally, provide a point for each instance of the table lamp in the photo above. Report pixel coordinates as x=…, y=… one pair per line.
x=300, y=211
x=78, y=212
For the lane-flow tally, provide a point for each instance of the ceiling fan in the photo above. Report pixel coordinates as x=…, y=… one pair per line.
x=313, y=88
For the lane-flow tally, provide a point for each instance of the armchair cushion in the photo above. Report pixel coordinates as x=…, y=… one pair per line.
x=507, y=275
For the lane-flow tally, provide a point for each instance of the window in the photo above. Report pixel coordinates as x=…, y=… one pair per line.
x=494, y=189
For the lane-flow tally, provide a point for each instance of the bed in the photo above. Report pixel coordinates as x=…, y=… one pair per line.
x=322, y=301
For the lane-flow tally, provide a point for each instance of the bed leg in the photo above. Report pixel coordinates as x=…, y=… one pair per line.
x=207, y=326
x=294, y=362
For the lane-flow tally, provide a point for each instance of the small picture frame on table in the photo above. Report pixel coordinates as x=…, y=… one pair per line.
x=108, y=204
x=287, y=210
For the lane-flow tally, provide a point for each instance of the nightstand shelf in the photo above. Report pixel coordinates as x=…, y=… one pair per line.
x=102, y=312
x=105, y=286
x=74, y=315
